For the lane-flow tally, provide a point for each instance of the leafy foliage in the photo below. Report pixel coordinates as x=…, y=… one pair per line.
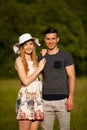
x=33, y=16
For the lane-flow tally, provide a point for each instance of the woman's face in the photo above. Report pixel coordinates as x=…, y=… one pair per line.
x=28, y=47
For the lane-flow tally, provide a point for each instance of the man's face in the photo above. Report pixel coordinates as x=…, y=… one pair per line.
x=51, y=40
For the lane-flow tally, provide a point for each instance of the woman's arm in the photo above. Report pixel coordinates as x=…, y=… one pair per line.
x=26, y=80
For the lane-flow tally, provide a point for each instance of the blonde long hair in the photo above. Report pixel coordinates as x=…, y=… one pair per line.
x=33, y=56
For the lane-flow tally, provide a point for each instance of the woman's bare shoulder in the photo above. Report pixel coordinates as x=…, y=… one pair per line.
x=18, y=59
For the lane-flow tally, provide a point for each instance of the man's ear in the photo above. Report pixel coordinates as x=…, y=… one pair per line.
x=58, y=39
x=44, y=39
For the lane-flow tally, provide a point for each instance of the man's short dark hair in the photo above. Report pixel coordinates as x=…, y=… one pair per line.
x=51, y=30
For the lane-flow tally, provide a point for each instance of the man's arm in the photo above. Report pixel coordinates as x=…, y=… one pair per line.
x=72, y=84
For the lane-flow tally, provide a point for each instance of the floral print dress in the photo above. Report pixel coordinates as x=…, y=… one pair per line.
x=29, y=105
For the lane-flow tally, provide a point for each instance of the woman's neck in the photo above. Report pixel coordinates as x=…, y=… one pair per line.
x=28, y=57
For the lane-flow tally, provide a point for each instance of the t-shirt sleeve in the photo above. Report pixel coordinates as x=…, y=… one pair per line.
x=68, y=60
x=39, y=57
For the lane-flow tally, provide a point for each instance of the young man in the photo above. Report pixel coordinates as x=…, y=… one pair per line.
x=58, y=83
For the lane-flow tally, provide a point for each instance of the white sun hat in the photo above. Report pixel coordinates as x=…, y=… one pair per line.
x=22, y=39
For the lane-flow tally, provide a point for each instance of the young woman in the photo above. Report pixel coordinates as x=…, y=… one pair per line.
x=29, y=106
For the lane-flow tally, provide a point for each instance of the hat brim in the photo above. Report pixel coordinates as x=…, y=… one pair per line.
x=16, y=47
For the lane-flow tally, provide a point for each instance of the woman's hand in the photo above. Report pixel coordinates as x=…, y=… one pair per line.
x=43, y=52
x=42, y=64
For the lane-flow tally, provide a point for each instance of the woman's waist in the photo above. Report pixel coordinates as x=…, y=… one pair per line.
x=34, y=86
x=35, y=82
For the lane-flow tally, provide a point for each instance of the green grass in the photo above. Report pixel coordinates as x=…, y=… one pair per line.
x=8, y=92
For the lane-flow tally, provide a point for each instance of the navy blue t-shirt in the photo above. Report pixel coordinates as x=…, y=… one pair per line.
x=55, y=79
